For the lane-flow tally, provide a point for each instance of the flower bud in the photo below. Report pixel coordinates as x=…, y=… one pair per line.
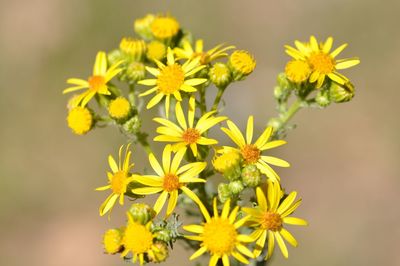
x=322, y=98
x=132, y=49
x=228, y=163
x=278, y=92
x=282, y=81
x=80, y=120
x=236, y=187
x=164, y=235
x=297, y=71
x=164, y=27
x=112, y=241
x=133, y=125
x=142, y=26
x=141, y=213
x=156, y=50
x=160, y=252
x=134, y=72
x=114, y=56
x=251, y=176
x=120, y=109
x=241, y=63
x=220, y=75
x=224, y=192
x=341, y=93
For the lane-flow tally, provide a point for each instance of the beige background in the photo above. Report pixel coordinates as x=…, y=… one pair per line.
x=345, y=159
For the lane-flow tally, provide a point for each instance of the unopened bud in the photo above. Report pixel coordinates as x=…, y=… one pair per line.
x=141, y=213
x=251, y=176
x=220, y=75
x=160, y=252
x=341, y=93
x=236, y=187
x=224, y=192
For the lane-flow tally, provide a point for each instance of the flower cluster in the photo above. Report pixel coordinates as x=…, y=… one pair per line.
x=240, y=218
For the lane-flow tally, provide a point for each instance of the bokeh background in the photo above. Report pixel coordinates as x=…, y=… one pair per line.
x=345, y=159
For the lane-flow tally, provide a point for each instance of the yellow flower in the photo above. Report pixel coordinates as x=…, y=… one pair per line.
x=171, y=79
x=226, y=160
x=242, y=62
x=219, y=235
x=97, y=83
x=297, y=71
x=80, y=120
x=170, y=179
x=139, y=240
x=187, y=52
x=321, y=60
x=118, y=180
x=164, y=27
x=187, y=134
x=112, y=241
x=156, y=50
x=252, y=152
x=119, y=108
x=269, y=217
x=133, y=47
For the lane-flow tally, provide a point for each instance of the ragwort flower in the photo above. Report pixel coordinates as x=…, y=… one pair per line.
x=96, y=84
x=269, y=217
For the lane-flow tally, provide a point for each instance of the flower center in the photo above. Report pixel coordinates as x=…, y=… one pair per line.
x=137, y=238
x=96, y=83
x=191, y=135
x=164, y=27
x=322, y=62
x=219, y=236
x=119, y=108
x=250, y=153
x=171, y=182
x=170, y=79
x=80, y=120
x=271, y=221
x=297, y=71
x=118, y=182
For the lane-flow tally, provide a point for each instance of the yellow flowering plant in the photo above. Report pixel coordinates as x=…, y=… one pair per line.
x=237, y=219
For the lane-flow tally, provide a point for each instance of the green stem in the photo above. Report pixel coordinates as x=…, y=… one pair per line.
x=218, y=98
x=203, y=103
x=142, y=139
x=284, y=117
x=132, y=94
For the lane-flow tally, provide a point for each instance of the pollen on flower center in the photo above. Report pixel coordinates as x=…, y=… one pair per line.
x=170, y=79
x=250, y=153
x=322, y=62
x=219, y=236
x=137, y=238
x=191, y=135
x=118, y=182
x=171, y=182
x=96, y=82
x=271, y=221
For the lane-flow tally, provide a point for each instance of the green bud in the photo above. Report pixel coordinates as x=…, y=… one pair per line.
x=275, y=123
x=224, y=192
x=282, y=81
x=164, y=235
x=141, y=213
x=114, y=56
x=134, y=72
x=341, y=93
x=278, y=92
x=142, y=26
x=220, y=75
x=160, y=253
x=236, y=187
x=133, y=125
x=322, y=98
x=251, y=176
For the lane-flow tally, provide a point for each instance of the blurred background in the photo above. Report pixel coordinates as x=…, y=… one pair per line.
x=345, y=159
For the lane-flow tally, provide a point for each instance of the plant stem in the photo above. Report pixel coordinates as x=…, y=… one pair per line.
x=218, y=98
x=283, y=118
x=142, y=139
x=203, y=103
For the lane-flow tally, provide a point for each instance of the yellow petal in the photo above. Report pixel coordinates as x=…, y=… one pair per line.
x=191, y=111
x=156, y=99
x=113, y=164
x=273, y=144
x=173, y=199
x=155, y=165
x=275, y=161
x=160, y=202
x=338, y=50
x=180, y=116
x=327, y=45
x=166, y=158
x=146, y=190
x=198, y=253
x=196, y=199
x=194, y=228
x=294, y=221
x=347, y=63
x=287, y=203
x=100, y=65
x=261, y=200
x=289, y=237
x=149, y=180
x=263, y=139
x=281, y=244
x=249, y=129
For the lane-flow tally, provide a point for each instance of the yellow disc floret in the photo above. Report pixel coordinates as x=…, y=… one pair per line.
x=297, y=71
x=119, y=182
x=112, y=241
x=137, y=238
x=219, y=236
x=119, y=108
x=242, y=62
x=80, y=120
x=190, y=135
x=156, y=50
x=322, y=62
x=97, y=83
x=170, y=79
x=250, y=153
x=271, y=221
x=226, y=161
x=171, y=182
x=164, y=27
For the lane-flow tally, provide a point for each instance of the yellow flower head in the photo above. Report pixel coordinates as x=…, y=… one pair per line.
x=112, y=241
x=164, y=27
x=219, y=235
x=170, y=179
x=118, y=180
x=321, y=60
x=226, y=160
x=242, y=62
x=119, y=108
x=252, y=152
x=80, y=120
x=139, y=240
x=297, y=71
x=187, y=134
x=187, y=52
x=133, y=47
x=171, y=79
x=97, y=83
x=269, y=218
x=156, y=50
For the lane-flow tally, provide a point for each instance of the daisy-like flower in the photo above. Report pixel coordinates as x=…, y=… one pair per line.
x=118, y=180
x=187, y=134
x=321, y=60
x=252, y=152
x=97, y=83
x=269, y=217
x=170, y=179
x=219, y=235
x=139, y=240
x=187, y=51
x=171, y=79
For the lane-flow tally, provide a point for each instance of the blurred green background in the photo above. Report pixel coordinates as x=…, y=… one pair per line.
x=345, y=159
